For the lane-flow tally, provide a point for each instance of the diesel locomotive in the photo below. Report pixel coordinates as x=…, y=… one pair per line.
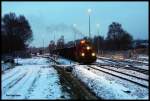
x=83, y=52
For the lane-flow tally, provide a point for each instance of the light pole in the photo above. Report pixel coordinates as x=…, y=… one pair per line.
x=54, y=50
x=97, y=25
x=54, y=41
x=74, y=26
x=89, y=13
x=43, y=46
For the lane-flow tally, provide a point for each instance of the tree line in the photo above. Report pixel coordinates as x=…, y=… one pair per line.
x=117, y=39
x=16, y=33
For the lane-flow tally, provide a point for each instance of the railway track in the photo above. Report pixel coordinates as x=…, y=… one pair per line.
x=19, y=86
x=6, y=78
x=134, y=80
x=32, y=85
x=13, y=82
x=125, y=61
x=135, y=62
x=129, y=67
x=123, y=73
x=117, y=64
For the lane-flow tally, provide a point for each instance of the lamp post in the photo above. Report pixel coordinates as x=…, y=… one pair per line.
x=43, y=46
x=97, y=25
x=74, y=26
x=54, y=49
x=54, y=41
x=89, y=13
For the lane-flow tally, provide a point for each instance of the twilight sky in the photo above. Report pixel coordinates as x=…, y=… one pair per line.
x=47, y=18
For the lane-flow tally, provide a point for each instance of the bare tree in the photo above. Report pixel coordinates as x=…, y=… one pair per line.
x=16, y=32
x=118, y=38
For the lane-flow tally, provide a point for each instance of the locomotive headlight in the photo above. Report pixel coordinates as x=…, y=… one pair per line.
x=82, y=54
x=93, y=54
x=88, y=47
x=83, y=41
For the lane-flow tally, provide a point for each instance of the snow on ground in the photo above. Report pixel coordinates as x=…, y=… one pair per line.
x=127, y=71
x=134, y=89
x=139, y=57
x=105, y=88
x=105, y=62
x=109, y=87
x=123, y=75
x=143, y=57
x=104, y=57
x=101, y=61
x=33, y=79
x=125, y=62
x=65, y=61
x=6, y=66
x=51, y=87
x=133, y=60
x=142, y=67
x=102, y=87
x=32, y=61
x=10, y=73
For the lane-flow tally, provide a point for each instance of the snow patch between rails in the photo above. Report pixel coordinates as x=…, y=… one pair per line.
x=101, y=87
x=32, y=61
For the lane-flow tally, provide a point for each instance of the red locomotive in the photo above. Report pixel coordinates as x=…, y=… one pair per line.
x=82, y=52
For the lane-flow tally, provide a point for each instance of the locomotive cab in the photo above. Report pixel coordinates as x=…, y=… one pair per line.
x=86, y=52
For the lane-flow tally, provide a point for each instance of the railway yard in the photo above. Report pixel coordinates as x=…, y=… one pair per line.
x=41, y=77
x=74, y=51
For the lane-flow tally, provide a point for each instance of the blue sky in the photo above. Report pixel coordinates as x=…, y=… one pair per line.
x=47, y=18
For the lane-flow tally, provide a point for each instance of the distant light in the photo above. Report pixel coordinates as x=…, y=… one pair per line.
x=74, y=25
x=93, y=54
x=97, y=25
x=89, y=11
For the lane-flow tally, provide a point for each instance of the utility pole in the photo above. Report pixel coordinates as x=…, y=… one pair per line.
x=54, y=50
x=89, y=28
x=89, y=13
x=74, y=26
x=98, y=37
x=43, y=46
